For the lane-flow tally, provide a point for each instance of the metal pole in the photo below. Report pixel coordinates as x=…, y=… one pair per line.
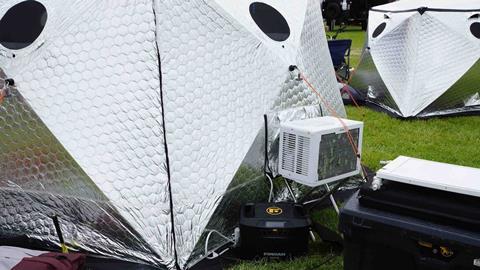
x=290, y=190
x=332, y=199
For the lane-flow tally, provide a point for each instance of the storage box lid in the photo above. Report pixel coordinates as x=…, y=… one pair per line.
x=430, y=174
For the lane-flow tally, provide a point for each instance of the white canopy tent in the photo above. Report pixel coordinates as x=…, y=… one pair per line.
x=138, y=122
x=422, y=57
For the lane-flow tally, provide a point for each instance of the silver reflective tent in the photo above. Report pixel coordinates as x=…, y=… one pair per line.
x=139, y=123
x=422, y=58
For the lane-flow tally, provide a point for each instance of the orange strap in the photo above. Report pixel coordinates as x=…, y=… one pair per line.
x=346, y=90
x=3, y=93
x=335, y=114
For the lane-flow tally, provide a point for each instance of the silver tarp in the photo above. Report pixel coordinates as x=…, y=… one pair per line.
x=422, y=58
x=140, y=123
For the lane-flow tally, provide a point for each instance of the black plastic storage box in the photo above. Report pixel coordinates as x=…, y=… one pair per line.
x=379, y=239
x=274, y=230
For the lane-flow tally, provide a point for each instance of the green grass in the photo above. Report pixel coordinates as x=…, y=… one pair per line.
x=453, y=140
x=318, y=262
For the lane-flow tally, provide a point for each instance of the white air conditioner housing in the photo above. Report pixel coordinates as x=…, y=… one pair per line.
x=317, y=151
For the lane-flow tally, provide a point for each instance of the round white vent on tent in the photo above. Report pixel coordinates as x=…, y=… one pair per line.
x=379, y=30
x=270, y=21
x=22, y=24
x=475, y=29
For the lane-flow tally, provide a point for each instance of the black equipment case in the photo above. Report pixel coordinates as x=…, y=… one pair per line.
x=390, y=230
x=274, y=230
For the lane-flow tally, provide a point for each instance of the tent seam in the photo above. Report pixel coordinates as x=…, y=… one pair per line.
x=167, y=160
x=424, y=9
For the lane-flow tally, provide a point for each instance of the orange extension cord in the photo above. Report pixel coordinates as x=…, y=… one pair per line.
x=335, y=114
x=346, y=90
x=3, y=94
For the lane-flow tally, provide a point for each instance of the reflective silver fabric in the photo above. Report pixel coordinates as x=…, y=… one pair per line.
x=420, y=65
x=210, y=126
x=462, y=97
x=93, y=79
x=40, y=179
x=368, y=81
x=139, y=123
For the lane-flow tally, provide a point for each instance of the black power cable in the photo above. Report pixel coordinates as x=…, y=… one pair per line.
x=329, y=259
x=266, y=159
x=267, y=170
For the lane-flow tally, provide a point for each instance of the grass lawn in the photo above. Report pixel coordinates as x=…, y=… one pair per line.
x=453, y=140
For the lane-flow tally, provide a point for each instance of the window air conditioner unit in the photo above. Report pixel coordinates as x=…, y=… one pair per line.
x=317, y=151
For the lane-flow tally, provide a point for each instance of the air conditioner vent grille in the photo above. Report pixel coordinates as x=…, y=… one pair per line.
x=303, y=154
x=288, y=151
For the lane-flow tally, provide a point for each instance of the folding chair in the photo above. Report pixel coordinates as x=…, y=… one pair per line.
x=340, y=53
